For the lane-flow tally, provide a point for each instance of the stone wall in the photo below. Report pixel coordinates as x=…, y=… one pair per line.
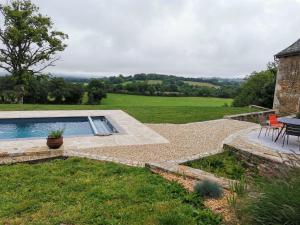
x=10, y=158
x=250, y=117
x=287, y=91
x=267, y=165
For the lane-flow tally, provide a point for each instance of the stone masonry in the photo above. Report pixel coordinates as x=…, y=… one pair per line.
x=287, y=91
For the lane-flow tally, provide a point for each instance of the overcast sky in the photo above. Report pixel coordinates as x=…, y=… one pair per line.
x=226, y=38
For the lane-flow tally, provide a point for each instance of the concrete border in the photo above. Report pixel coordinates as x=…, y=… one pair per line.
x=132, y=132
x=191, y=173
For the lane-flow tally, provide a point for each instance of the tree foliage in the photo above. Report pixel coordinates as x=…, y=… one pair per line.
x=168, y=85
x=258, y=89
x=57, y=90
x=43, y=89
x=96, y=91
x=29, y=42
x=37, y=90
x=74, y=93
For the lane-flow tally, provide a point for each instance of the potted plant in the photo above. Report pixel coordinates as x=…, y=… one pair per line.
x=55, y=139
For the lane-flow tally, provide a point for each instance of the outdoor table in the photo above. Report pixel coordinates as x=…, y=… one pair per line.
x=285, y=121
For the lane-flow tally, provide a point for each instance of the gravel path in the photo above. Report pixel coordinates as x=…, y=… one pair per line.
x=186, y=140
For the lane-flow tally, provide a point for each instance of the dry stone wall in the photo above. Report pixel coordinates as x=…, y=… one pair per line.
x=287, y=91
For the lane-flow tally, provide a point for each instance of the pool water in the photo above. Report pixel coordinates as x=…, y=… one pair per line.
x=40, y=127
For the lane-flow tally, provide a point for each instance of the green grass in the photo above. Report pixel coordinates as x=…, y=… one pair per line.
x=201, y=84
x=272, y=201
x=139, y=100
x=80, y=191
x=152, y=109
x=148, y=82
x=225, y=164
x=180, y=114
x=154, y=81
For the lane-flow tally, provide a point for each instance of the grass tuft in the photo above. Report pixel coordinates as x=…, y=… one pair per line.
x=272, y=201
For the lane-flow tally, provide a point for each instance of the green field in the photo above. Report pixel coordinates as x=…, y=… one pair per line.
x=148, y=81
x=82, y=191
x=152, y=109
x=201, y=84
x=157, y=101
x=192, y=83
x=154, y=81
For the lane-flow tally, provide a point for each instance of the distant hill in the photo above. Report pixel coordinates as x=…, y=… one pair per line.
x=152, y=78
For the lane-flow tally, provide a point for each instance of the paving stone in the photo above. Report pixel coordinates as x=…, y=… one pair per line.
x=181, y=142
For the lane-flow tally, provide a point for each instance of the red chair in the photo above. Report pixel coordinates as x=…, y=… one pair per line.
x=274, y=121
x=274, y=124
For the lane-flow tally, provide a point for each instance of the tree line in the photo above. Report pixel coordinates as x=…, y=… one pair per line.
x=44, y=89
x=169, y=87
x=29, y=44
x=259, y=88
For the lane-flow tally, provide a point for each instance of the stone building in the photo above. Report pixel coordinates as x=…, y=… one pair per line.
x=287, y=90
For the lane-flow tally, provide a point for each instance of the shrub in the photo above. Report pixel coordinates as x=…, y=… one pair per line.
x=298, y=115
x=56, y=133
x=74, y=93
x=96, y=91
x=208, y=188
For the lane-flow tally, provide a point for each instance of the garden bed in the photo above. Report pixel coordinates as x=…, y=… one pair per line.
x=225, y=164
x=258, y=199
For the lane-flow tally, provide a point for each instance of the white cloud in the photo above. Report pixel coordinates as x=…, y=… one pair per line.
x=226, y=38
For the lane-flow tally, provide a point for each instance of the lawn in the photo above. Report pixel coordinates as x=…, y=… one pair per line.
x=152, y=109
x=122, y=100
x=82, y=191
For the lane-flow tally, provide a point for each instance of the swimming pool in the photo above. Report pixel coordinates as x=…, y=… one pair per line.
x=40, y=127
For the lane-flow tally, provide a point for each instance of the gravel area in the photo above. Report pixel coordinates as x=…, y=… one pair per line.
x=186, y=140
x=218, y=206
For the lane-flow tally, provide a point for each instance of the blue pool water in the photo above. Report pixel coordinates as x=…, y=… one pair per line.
x=40, y=127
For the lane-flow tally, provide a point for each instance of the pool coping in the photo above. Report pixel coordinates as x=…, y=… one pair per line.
x=131, y=132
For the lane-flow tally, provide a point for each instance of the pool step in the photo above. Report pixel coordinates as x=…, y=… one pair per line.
x=99, y=126
x=93, y=125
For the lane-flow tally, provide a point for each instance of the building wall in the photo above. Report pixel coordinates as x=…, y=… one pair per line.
x=287, y=91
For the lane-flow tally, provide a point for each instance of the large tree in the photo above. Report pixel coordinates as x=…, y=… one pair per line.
x=29, y=42
x=96, y=91
x=258, y=89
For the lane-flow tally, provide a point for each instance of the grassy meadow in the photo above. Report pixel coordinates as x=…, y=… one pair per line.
x=201, y=84
x=192, y=83
x=152, y=109
x=82, y=191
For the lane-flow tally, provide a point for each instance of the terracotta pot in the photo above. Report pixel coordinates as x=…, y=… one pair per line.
x=55, y=143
